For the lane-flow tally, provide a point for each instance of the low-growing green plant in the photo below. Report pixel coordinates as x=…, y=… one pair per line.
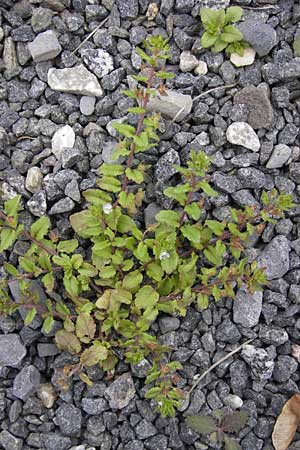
x=108, y=283
x=220, y=33
x=219, y=425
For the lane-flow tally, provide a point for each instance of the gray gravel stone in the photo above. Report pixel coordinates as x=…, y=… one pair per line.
x=275, y=258
x=26, y=382
x=54, y=441
x=259, y=361
x=87, y=105
x=76, y=80
x=172, y=105
x=62, y=206
x=285, y=366
x=37, y=205
x=41, y=19
x=94, y=406
x=247, y=308
x=128, y=9
x=120, y=392
x=70, y=156
x=241, y=133
x=69, y=419
x=272, y=335
x=12, y=351
x=165, y=169
x=98, y=61
x=45, y=46
x=63, y=138
x=261, y=36
x=188, y=61
x=258, y=104
x=150, y=212
x=9, y=442
x=280, y=155
x=34, y=179
x=284, y=71
x=228, y=332
x=145, y=429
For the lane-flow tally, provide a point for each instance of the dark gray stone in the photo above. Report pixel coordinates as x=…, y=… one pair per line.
x=247, y=308
x=285, y=366
x=145, y=429
x=9, y=442
x=275, y=258
x=69, y=419
x=260, y=362
x=273, y=335
x=165, y=169
x=261, y=36
x=94, y=406
x=273, y=73
x=54, y=441
x=228, y=332
x=128, y=9
x=26, y=382
x=12, y=351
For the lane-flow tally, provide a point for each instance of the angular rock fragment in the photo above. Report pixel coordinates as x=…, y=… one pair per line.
x=76, y=80
x=120, y=392
x=171, y=105
x=12, y=351
x=45, y=46
x=241, y=133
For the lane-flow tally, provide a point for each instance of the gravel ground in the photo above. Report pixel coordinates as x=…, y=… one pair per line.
x=56, y=109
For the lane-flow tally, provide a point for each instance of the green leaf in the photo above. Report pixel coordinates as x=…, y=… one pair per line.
x=110, y=184
x=207, y=189
x=67, y=246
x=202, y=301
x=28, y=265
x=85, y=224
x=71, y=285
x=107, y=272
x=132, y=281
x=146, y=297
x=296, y=46
x=135, y=175
x=97, y=197
x=169, y=265
x=129, y=93
x=208, y=39
x=110, y=170
x=48, y=281
x=192, y=233
x=7, y=238
x=233, y=14
x=216, y=227
x=61, y=308
x=85, y=327
x=193, y=210
x=9, y=268
x=93, y=355
x=86, y=379
x=201, y=424
x=136, y=110
x=165, y=75
x=219, y=45
x=30, y=316
x=67, y=341
x=124, y=129
x=40, y=228
x=48, y=324
x=11, y=206
x=167, y=217
x=143, y=55
x=208, y=16
x=231, y=34
x=230, y=444
x=141, y=252
x=155, y=271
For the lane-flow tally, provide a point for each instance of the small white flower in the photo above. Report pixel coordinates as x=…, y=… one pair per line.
x=107, y=208
x=159, y=403
x=164, y=255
